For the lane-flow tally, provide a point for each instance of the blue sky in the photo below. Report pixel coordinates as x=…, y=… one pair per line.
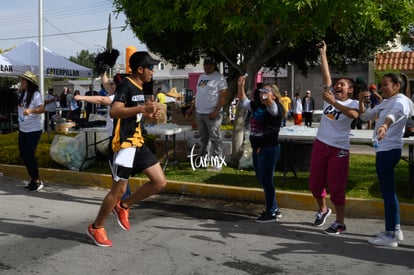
x=69, y=26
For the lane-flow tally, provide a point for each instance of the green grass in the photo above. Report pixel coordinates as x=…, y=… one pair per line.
x=363, y=182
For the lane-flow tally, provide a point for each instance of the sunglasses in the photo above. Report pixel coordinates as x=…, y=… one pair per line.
x=149, y=67
x=264, y=90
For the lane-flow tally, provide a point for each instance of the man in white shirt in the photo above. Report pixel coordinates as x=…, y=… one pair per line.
x=209, y=101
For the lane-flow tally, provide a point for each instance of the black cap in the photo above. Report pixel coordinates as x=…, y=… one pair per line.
x=209, y=60
x=141, y=59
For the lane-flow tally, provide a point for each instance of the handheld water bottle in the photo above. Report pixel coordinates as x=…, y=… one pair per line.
x=375, y=142
x=20, y=111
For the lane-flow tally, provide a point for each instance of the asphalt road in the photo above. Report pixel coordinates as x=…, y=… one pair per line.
x=44, y=233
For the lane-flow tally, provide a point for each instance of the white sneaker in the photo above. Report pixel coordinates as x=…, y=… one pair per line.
x=398, y=234
x=384, y=241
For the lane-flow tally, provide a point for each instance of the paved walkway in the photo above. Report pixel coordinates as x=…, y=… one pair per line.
x=44, y=233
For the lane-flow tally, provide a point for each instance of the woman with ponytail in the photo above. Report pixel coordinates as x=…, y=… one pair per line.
x=391, y=117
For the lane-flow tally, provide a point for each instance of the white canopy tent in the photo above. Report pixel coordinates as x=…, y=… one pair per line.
x=9, y=67
x=54, y=65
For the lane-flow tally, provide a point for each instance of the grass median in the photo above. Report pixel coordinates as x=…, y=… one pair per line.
x=363, y=182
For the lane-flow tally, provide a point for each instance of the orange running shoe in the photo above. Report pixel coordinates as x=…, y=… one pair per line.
x=98, y=236
x=121, y=215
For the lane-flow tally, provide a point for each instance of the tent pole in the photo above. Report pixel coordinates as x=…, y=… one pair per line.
x=41, y=75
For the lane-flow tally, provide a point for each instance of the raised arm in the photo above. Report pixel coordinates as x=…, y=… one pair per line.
x=107, y=84
x=241, y=94
x=326, y=75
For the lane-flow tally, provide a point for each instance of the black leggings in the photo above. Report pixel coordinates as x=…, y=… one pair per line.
x=27, y=147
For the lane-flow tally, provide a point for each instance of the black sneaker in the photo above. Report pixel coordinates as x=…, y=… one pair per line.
x=30, y=184
x=36, y=186
x=320, y=218
x=335, y=229
x=266, y=216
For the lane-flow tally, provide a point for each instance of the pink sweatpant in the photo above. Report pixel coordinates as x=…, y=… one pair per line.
x=329, y=168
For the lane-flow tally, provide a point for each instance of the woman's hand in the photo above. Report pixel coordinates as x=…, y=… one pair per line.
x=328, y=97
x=322, y=47
x=266, y=99
x=382, y=130
x=241, y=94
x=363, y=96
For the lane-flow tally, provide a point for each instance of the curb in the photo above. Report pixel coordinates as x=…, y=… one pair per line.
x=360, y=208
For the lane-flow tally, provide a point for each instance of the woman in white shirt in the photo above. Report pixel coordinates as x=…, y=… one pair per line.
x=30, y=109
x=391, y=117
x=330, y=151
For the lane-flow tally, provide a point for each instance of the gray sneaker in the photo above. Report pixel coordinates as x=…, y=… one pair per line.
x=384, y=240
x=398, y=234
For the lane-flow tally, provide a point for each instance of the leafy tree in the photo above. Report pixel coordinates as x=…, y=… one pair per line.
x=84, y=58
x=249, y=34
x=7, y=82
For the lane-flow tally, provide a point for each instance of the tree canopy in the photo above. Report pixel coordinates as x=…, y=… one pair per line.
x=267, y=32
x=249, y=34
x=84, y=58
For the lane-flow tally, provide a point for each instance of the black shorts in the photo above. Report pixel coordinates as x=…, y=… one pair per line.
x=143, y=159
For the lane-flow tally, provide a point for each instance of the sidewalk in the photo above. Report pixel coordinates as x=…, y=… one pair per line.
x=359, y=208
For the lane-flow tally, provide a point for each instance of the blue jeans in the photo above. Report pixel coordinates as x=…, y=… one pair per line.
x=27, y=148
x=264, y=164
x=283, y=122
x=385, y=163
x=127, y=192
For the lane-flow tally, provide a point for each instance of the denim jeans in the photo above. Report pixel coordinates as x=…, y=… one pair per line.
x=27, y=148
x=283, y=122
x=264, y=164
x=209, y=130
x=385, y=163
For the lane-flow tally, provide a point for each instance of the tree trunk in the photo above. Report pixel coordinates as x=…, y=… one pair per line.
x=238, y=136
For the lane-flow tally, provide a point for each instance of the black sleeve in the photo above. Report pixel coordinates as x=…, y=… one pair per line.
x=121, y=92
